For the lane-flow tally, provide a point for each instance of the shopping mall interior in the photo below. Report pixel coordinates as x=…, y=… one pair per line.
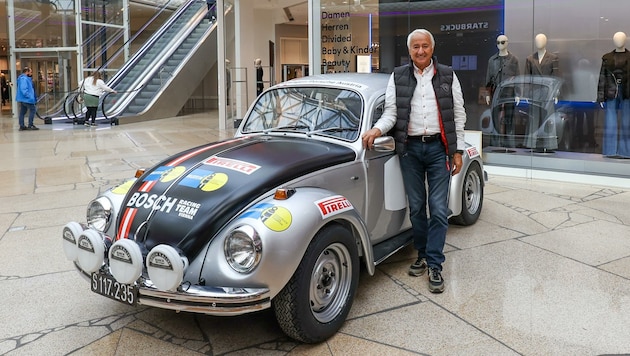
x=544, y=271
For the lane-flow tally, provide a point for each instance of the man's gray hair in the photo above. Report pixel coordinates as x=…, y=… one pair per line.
x=423, y=32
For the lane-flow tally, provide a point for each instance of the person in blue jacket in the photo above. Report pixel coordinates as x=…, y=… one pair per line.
x=26, y=99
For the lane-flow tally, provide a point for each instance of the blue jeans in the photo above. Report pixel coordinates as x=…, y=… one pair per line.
x=31, y=113
x=425, y=170
x=616, y=138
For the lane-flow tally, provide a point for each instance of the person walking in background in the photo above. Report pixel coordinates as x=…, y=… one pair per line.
x=4, y=88
x=212, y=10
x=424, y=106
x=93, y=88
x=26, y=99
x=259, y=76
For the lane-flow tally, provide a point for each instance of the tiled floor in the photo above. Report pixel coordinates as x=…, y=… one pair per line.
x=545, y=271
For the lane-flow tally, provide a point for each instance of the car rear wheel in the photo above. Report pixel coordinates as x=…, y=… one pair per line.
x=316, y=301
x=472, y=196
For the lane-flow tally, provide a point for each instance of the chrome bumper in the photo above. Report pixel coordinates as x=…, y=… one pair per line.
x=220, y=301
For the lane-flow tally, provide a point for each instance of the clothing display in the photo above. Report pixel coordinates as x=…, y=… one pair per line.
x=542, y=63
x=613, y=89
x=501, y=66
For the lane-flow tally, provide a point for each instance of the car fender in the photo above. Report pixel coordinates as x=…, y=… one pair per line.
x=471, y=153
x=285, y=228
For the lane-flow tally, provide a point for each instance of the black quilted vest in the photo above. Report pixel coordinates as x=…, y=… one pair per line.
x=405, y=85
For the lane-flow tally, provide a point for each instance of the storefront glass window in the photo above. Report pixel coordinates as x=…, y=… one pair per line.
x=529, y=71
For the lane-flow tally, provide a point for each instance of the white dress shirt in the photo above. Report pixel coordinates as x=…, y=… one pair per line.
x=424, y=116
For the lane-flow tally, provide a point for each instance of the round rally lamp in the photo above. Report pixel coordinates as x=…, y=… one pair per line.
x=166, y=267
x=90, y=251
x=71, y=232
x=125, y=261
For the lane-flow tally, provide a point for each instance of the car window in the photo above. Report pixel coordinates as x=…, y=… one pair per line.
x=328, y=111
x=378, y=110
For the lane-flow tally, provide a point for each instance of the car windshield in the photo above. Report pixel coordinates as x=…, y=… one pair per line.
x=310, y=110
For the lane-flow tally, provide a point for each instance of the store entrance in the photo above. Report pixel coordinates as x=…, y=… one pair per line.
x=52, y=84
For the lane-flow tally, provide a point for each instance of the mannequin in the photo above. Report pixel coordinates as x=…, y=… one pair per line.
x=501, y=66
x=541, y=63
x=613, y=94
x=259, y=76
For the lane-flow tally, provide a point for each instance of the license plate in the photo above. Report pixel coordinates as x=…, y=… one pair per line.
x=107, y=286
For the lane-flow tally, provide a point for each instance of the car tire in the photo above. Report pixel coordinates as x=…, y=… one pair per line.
x=471, y=195
x=317, y=299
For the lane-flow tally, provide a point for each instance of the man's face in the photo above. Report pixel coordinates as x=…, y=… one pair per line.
x=420, y=50
x=29, y=73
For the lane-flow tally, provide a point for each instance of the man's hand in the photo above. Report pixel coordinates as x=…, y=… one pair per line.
x=457, y=163
x=369, y=137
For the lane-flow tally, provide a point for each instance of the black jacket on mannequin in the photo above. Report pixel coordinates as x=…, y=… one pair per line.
x=615, y=70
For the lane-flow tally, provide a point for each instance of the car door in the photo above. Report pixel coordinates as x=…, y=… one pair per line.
x=386, y=213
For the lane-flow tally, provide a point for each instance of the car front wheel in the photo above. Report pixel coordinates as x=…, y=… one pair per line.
x=316, y=301
x=472, y=196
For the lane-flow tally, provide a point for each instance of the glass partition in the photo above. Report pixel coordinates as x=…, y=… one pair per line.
x=531, y=71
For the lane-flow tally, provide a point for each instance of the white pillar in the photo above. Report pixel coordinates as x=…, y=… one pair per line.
x=314, y=37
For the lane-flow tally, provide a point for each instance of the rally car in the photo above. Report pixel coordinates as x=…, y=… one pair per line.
x=281, y=216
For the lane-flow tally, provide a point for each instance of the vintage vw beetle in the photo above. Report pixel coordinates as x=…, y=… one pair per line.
x=281, y=216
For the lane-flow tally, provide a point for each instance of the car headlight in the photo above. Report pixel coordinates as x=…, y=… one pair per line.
x=99, y=214
x=243, y=249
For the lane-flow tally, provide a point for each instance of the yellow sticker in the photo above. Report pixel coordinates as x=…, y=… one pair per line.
x=213, y=182
x=276, y=218
x=172, y=174
x=123, y=188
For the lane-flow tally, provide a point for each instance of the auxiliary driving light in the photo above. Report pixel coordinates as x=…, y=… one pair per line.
x=69, y=242
x=166, y=267
x=90, y=251
x=125, y=261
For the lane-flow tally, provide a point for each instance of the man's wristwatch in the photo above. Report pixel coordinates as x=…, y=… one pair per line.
x=461, y=152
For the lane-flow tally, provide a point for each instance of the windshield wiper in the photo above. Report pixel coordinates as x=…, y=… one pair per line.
x=287, y=128
x=331, y=129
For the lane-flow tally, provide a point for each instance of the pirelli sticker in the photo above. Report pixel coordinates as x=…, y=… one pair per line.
x=233, y=164
x=333, y=205
x=472, y=152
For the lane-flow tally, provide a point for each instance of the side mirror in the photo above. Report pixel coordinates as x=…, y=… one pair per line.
x=384, y=144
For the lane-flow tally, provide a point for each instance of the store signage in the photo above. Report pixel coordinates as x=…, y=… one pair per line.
x=464, y=26
x=338, y=50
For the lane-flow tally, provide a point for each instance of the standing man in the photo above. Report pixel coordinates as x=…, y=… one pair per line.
x=26, y=98
x=259, y=76
x=424, y=106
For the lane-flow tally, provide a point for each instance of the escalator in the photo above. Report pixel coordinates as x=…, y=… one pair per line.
x=158, y=80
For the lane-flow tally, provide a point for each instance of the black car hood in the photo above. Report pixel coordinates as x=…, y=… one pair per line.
x=187, y=198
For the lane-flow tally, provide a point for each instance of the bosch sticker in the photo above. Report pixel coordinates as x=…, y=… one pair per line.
x=233, y=164
x=276, y=218
x=333, y=205
x=207, y=181
x=152, y=201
